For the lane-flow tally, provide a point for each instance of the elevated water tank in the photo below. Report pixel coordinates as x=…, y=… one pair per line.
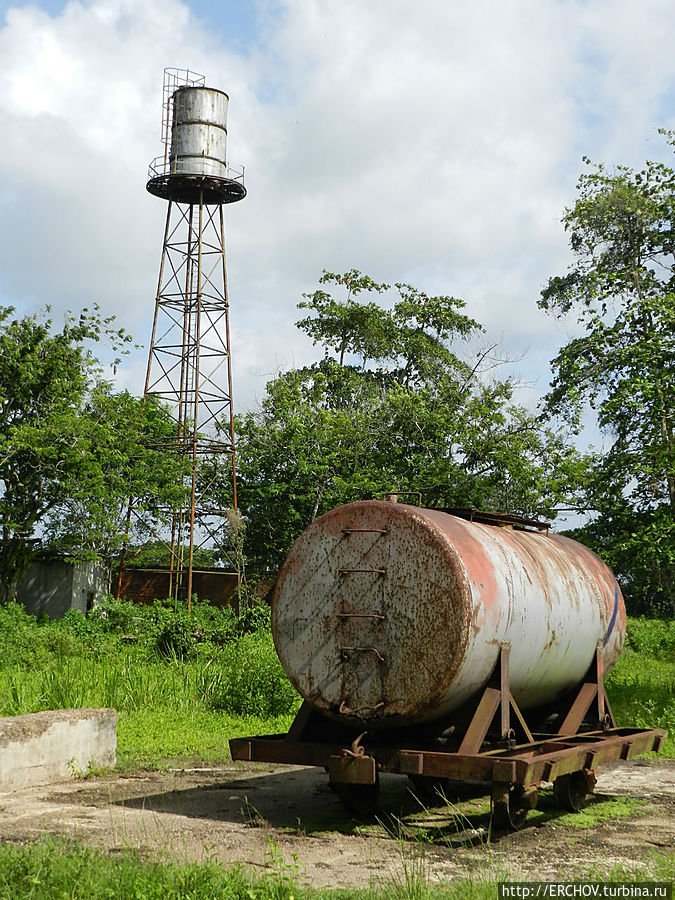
x=199, y=132
x=195, y=170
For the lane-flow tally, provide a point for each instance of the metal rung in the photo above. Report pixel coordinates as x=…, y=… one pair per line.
x=344, y=650
x=346, y=711
x=360, y=616
x=372, y=571
x=365, y=530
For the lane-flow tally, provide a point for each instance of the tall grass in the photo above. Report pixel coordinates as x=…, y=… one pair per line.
x=211, y=669
x=641, y=691
x=641, y=687
x=246, y=680
x=152, y=662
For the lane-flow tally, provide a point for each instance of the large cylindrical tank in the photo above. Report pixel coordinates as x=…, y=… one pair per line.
x=199, y=132
x=394, y=614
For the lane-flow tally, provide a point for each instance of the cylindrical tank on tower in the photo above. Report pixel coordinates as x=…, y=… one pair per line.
x=199, y=132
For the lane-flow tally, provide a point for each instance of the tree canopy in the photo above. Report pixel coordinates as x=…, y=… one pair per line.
x=71, y=450
x=621, y=287
x=390, y=406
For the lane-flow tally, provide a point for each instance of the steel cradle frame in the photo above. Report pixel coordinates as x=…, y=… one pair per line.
x=586, y=737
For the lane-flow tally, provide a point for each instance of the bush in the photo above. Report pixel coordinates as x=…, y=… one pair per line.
x=175, y=638
x=213, y=624
x=255, y=618
x=656, y=637
x=116, y=616
x=16, y=635
x=90, y=635
x=161, y=630
x=177, y=634
x=30, y=643
x=247, y=679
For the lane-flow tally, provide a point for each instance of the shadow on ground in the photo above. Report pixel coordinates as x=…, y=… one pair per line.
x=301, y=801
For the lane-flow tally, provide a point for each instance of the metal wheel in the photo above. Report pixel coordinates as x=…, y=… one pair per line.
x=510, y=806
x=358, y=799
x=571, y=791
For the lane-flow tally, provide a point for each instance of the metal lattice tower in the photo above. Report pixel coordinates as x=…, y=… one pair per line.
x=189, y=361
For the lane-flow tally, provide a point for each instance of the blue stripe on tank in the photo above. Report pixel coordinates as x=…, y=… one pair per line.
x=613, y=619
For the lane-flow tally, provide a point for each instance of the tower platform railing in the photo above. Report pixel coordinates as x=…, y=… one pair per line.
x=160, y=167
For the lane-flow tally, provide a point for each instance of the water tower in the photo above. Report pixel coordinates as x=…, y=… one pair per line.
x=189, y=362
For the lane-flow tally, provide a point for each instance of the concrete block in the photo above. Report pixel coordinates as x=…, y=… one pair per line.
x=56, y=745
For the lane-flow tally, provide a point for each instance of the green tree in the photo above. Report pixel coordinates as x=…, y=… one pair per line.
x=70, y=449
x=390, y=406
x=121, y=440
x=621, y=286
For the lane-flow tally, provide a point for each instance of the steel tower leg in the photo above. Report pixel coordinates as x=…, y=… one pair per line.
x=189, y=370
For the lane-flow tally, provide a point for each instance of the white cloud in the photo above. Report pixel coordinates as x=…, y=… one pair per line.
x=436, y=144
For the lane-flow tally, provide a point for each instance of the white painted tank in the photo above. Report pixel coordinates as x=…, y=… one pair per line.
x=394, y=614
x=199, y=132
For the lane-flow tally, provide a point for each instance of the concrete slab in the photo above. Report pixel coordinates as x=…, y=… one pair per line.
x=56, y=745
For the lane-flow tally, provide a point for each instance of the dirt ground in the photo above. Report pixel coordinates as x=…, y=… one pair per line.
x=251, y=813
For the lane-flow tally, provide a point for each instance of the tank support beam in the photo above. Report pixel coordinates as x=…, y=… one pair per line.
x=592, y=688
x=496, y=696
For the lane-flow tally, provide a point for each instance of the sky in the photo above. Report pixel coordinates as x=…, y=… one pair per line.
x=436, y=144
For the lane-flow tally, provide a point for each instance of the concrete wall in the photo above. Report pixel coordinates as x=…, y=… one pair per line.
x=218, y=586
x=90, y=583
x=46, y=747
x=55, y=586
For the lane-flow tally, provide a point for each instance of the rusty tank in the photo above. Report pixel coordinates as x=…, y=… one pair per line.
x=389, y=614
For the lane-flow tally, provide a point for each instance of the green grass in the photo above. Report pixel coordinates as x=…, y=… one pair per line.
x=641, y=690
x=246, y=680
x=598, y=811
x=195, y=681
x=54, y=868
x=182, y=685
x=460, y=823
x=165, y=735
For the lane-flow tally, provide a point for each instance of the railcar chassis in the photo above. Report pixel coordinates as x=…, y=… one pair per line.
x=514, y=760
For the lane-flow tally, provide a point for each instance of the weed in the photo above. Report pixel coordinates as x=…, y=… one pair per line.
x=598, y=811
x=411, y=878
x=252, y=818
x=74, y=770
x=283, y=881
